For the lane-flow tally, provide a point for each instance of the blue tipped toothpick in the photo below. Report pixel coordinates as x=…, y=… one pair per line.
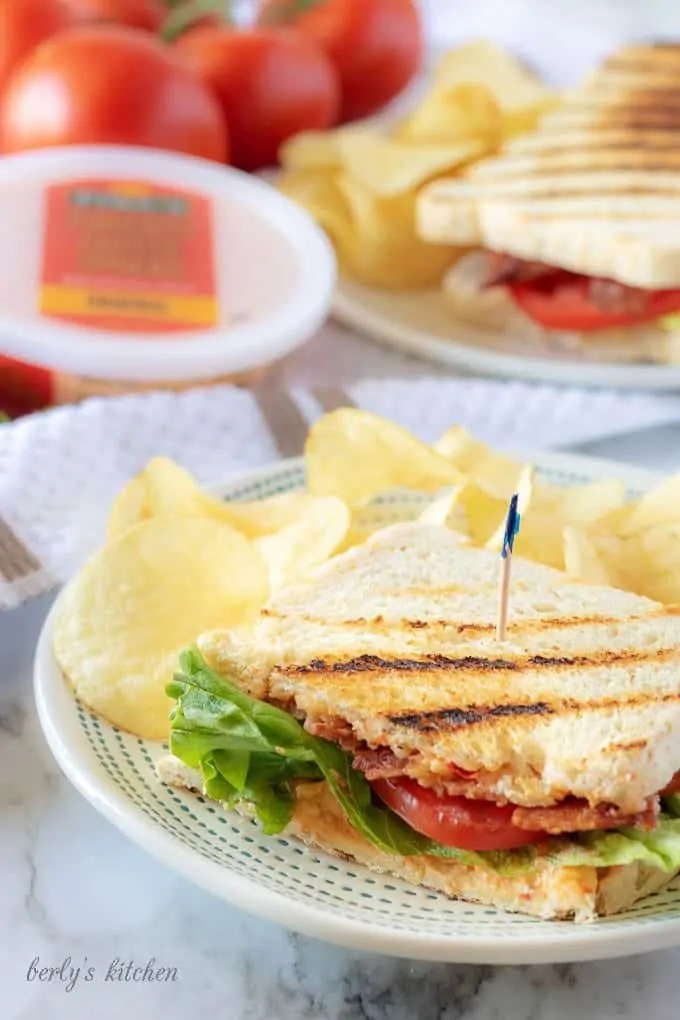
x=512, y=524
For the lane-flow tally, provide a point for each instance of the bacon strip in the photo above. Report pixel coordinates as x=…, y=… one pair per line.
x=606, y=295
x=380, y=764
x=574, y=815
x=505, y=269
x=332, y=728
x=571, y=815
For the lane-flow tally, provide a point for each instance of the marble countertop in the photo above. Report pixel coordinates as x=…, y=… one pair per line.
x=76, y=896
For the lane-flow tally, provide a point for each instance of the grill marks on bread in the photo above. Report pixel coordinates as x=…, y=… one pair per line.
x=453, y=717
x=583, y=698
x=621, y=130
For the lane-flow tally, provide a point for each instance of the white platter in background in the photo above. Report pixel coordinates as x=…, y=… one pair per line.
x=421, y=324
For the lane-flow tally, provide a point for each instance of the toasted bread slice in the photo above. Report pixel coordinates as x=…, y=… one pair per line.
x=594, y=189
x=579, y=893
x=397, y=640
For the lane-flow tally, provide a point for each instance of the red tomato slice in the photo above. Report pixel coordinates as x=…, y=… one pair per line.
x=561, y=301
x=454, y=821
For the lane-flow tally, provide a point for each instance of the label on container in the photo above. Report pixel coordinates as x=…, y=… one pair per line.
x=129, y=256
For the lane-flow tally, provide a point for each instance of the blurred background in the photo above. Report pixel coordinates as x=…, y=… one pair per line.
x=443, y=84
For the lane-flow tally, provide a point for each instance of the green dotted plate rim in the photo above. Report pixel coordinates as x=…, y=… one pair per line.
x=114, y=771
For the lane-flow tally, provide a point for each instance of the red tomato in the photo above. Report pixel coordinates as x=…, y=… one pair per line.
x=376, y=45
x=146, y=14
x=23, y=25
x=561, y=301
x=110, y=85
x=454, y=821
x=270, y=83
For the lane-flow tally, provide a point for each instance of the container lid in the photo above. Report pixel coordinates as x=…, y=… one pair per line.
x=127, y=263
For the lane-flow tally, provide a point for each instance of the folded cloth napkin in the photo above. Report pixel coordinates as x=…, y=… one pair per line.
x=60, y=470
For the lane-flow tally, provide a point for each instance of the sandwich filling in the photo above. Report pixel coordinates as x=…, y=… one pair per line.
x=254, y=753
x=557, y=299
x=380, y=675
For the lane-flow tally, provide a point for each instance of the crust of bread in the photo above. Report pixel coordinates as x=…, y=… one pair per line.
x=493, y=311
x=577, y=893
x=594, y=189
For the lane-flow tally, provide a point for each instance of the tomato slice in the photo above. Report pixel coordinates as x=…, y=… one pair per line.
x=454, y=821
x=560, y=300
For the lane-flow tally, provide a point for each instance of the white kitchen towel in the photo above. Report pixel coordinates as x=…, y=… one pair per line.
x=60, y=470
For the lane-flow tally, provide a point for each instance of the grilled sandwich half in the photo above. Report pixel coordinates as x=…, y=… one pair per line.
x=577, y=224
x=536, y=774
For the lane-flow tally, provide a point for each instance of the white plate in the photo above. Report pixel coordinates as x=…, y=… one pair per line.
x=420, y=323
x=280, y=879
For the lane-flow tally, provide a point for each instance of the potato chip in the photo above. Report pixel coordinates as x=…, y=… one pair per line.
x=264, y=516
x=318, y=150
x=582, y=559
x=587, y=504
x=451, y=115
x=309, y=540
x=380, y=247
x=659, y=506
x=546, y=511
x=483, y=62
x=319, y=193
x=388, y=167
x=496, y=472
x=540, y=535
x=311, y=150
x=650, y=563
x=163, y=489
x=615, y=520
x=374, y=238
x=170, y=490
x=355, y=455
x=123, y=620
x=446, y=510
x=129, y=508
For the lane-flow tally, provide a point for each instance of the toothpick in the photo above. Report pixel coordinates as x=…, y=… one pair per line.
x=511, y=529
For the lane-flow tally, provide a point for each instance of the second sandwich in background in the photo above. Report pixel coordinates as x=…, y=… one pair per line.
x=577, y=224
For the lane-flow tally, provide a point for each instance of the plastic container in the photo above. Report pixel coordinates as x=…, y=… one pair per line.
x=127, y=269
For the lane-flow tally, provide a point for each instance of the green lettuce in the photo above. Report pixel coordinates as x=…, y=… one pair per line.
x=251, y=752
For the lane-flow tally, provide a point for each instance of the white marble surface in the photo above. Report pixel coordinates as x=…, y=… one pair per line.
x=72, y=887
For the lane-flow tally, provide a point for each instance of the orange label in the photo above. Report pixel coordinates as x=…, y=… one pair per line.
x=129, y=256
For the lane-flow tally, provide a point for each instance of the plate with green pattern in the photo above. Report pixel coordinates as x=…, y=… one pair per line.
x=282, y=880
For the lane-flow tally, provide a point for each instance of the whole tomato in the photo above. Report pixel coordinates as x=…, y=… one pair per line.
x=145, y=14
x=376, y=45
x=105, y=84
x=23, y=25
x=271, y=83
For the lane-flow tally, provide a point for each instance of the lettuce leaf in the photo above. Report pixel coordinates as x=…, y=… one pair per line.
x=251, y=752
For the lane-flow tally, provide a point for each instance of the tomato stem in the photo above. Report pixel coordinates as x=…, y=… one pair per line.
x=279, y=12
x=186, y=13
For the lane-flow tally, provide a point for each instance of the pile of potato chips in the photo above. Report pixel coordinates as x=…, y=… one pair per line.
x=361, y=182
x=177, y=562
